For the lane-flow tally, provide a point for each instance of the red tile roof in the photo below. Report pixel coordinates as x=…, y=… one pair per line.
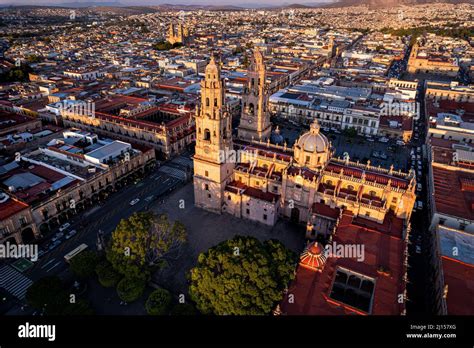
x=11, y=207
x=449, y=196
x=459, y=277
x=373, y=176
x=383, y=249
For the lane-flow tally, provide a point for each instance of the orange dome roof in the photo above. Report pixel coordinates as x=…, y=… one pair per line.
x=313, y=257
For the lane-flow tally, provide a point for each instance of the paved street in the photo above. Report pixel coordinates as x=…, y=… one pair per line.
x=104, y=217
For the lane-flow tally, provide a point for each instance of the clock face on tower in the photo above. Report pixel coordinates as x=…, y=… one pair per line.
x=207, y=149
x=249, y=120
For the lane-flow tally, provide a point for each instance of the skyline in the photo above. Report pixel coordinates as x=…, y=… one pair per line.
x=263, y=3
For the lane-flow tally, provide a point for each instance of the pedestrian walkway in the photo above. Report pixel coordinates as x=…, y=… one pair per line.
x=14, y=282
x=174, y=172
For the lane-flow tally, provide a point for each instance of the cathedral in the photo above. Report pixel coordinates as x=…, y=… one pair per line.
x=251, y=178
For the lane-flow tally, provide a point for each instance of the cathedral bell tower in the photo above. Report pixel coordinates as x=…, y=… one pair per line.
x=213, y=168
x=254, y=118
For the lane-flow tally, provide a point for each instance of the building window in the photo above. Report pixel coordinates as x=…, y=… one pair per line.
x=207, y=134
x=3, y=231
x=462, y=226
x=208, y=195
x=22, y=221
x=394, y=200
x=229, y=198
x=442, y=221
x=206, y=173
x=248, y=211
x=206, y=187
x=265, y=217
x=353, y=289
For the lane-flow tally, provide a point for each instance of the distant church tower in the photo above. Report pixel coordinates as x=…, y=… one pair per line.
x=179, y=35
x=331, y=47
x=213, y=141
x=255, y=118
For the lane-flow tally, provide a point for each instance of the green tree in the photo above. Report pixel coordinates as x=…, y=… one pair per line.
x=108, y=277
x=48, y=293
x=241, y=276
x=141, y=242
x=84, y=264
x=130, y=289
x=34, y=58
x=158, y=302
x=163, y=46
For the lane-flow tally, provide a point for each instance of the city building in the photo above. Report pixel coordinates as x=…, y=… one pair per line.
x=47, y=186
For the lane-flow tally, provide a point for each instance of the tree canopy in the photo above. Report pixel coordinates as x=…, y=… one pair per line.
x=241, y=276
x=141, y=242
x=130, y=289
x=84, y=264
x=108, y=277
x=158, y=302
x=48, y=293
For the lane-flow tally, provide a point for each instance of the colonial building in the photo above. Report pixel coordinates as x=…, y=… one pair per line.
x=168, y=128
x=260, y=181
x=46, y=187
x=177, y=35
x=439, y=65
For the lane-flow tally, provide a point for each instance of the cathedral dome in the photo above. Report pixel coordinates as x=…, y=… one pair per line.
x=313, y=141
x=312, y=149
x=313, y=257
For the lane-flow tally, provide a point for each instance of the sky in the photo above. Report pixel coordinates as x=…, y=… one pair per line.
x=157, y=2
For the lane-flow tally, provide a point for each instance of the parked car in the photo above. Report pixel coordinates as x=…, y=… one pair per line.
x=400, y=142
x=134, y=201
x=419, y=205
x=71, y=234
x=64, y=226
x=384, y=140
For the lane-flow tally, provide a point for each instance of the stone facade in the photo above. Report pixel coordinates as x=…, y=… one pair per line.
x=261, y=181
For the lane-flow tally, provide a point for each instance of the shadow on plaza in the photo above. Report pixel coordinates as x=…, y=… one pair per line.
x=207, y=229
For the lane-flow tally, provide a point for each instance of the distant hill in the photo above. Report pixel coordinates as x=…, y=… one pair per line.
x=392, y=3
x=77, y=4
